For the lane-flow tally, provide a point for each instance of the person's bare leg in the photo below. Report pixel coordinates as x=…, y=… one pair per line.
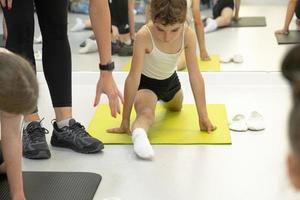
x=176, y=103
x=181, y=64
x=125, y=38
x=62, y=113
x=225, y=18
x=144, y=105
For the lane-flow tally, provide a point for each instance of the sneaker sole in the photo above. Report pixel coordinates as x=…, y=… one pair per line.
x=74, y=148
x=37, y=155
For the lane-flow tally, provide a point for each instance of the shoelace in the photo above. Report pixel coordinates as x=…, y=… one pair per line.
x=37, y=133
x=79, y=129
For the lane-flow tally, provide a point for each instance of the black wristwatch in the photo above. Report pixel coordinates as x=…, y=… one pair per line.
x=107, y=67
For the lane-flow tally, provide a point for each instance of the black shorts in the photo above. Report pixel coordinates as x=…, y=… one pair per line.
x=119, y=15
x=297, y=10
x=220, y=5
x=164, y=89
x=1, y=156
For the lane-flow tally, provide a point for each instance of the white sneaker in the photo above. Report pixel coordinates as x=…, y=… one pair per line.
x=256, y=122
x=38, y=40
x=238, y=123
x=37, y=55
x=238, y=58
x=90, y=47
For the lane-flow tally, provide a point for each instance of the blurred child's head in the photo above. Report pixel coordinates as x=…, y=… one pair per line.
x=291, y=71
x=18, y=84
x=168, y=17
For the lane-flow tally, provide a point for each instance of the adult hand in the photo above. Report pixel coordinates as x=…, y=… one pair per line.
x=206, y=125
x=107, y=85
x=124, y=128
x=6, y=3
x=282, y=31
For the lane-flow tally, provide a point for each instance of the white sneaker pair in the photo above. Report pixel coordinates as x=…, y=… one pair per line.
x=255, y=122
x=237, y=58
x=90, y=47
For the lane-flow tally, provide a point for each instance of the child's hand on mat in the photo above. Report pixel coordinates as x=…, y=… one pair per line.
x=206, y=125
x=204, y=55
x=107, y=85
x=124, y=128
x=282, y=31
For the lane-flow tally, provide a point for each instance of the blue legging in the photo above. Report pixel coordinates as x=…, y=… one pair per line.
x=52, y=17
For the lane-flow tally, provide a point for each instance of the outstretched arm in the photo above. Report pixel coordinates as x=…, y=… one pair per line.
x=100, y=19
x=288, y=18
x=197, y=82
x=132, y=82
x=199, y=29
x=12, y=152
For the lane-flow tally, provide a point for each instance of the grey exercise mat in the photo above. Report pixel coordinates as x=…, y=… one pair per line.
x=55, y=185
x=138, y=25
x=2, y=42
x=250, y=22
x=292, y=38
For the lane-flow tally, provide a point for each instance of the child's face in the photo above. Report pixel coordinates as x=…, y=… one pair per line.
x=169, y=33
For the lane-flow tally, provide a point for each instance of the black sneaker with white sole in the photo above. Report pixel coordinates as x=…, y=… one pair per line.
x=34, y=141
x=75, y=137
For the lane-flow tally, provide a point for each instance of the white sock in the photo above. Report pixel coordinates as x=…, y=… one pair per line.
x=79, y=26
x=211, y=25
x=91, y=46
x=63, y=123
x=38, y=40
x=141, y=144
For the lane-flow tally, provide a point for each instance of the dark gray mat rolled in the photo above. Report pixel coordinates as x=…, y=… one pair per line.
x=138, y=25
x=292, y=38
x=2, y=42
x=55, y=185
x=250, y=22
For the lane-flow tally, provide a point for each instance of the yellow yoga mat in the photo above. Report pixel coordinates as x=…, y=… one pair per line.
x=205, y=66
x=169, y=127
x=213, y=65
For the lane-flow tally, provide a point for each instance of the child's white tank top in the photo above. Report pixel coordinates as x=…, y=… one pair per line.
x=160, y=65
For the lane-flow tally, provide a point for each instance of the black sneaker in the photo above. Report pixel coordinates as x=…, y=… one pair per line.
x=75, y=137
x=115, y=47
x=34, y=142
x=125, y=49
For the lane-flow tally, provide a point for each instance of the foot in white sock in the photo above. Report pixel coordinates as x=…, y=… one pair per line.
x=211, y=25
x=79, y=26
x=91, y=46
x=141, y=144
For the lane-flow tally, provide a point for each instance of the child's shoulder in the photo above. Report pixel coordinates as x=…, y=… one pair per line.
x=143, y=36
x=189, y=34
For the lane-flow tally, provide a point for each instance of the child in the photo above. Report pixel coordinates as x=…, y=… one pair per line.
x=194, y=20
x=293, y=7
x=291, y=71
x=153, y=77
x=18, y=96
x=222, y=14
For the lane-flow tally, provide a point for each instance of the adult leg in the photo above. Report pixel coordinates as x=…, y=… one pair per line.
x=57, y=69
x=144, y=105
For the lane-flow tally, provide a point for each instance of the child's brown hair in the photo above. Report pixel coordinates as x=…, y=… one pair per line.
x=168, y=12
x=18, y=84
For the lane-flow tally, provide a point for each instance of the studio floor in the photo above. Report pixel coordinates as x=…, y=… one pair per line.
x=252, y=167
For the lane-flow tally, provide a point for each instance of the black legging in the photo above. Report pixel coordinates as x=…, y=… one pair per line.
x=297, y=9
x=52, y=16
